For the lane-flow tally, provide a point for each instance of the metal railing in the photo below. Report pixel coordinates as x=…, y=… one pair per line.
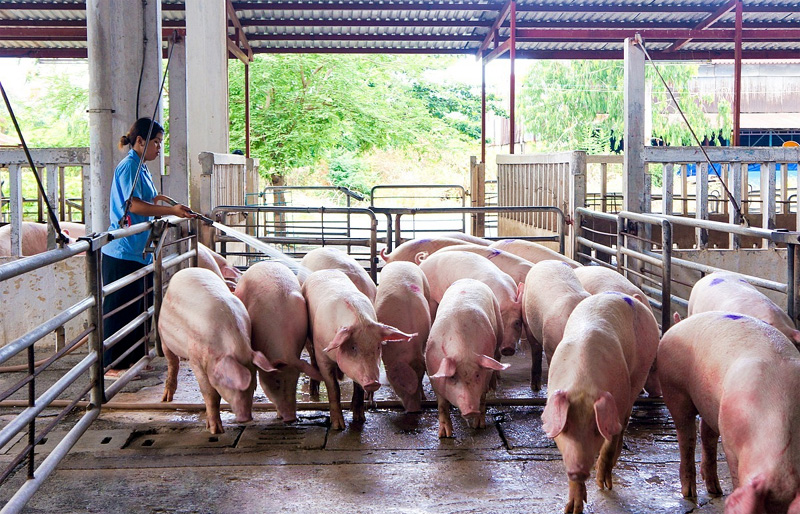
x=297, y=230
x=640, y=246
x=92, y=364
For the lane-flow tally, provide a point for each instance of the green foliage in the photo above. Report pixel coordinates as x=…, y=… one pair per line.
x=457, y=105
x=563, y=102
x=348, y=170
x=304, y=107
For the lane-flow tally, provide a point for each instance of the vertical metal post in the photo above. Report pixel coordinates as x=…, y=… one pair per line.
x=735, y=176
x=666, y=275
x=701, y=204
x=795, y=293
x=247, y=110
x=51, y=181
x=768, y=206
x=512, y=57
x=373, y=249
x=667, y=188
x=483, y=110
x=791, y=283
x=15, y=208
x=737, y=75
x=62, y=195
x=604, y=185
x=195, y=224
x=94, y=285
x=31, y=404
x=620, y=243
x=158, y=297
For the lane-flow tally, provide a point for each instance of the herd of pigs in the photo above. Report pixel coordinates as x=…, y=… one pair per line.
x=455, y=306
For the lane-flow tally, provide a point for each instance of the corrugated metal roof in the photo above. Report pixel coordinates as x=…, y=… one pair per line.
x=594, y=29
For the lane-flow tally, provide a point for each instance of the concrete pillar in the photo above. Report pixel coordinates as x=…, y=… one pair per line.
x=207, y=78
x=116, y=45
x=176, y=184
x=636, y=199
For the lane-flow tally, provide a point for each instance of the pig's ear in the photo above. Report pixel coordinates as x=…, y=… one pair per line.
x=421, y=256
x=520, y=291
x=342, y=335
x=487, y=362
x=231, y=273
x=446, y=369
x=749, y=497
x=391, y=334
x=232, y=375
x=261, y=362
x=796, y=336
x=676, y=317
x=641, y=298
x=607, y=416
x=309, y=370
x=554, y=417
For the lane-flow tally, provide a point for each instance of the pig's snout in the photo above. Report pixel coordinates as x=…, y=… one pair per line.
x=472, y=417
x=507, y=351
x=580, y=475
x=372, y=386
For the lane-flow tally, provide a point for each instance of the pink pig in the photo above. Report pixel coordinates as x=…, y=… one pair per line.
x=346, y=338
x=34, y=236
x=741, y=376
x=442, y=269
x=279, y=327
x=516, y=267
x=725, y=291
x=466, y=332
x=403, y=302
x=595, y=375
x=202, y=321
x=599, y=279
x=551, y=293
x=531, y=251
x=327, y=257
x=409, y=250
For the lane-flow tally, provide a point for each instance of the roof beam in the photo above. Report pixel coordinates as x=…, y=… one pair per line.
x=457, y=38
x=710, y=20
x=238, y=44
x=498, y=22
x=530, y=35
x=53, y=34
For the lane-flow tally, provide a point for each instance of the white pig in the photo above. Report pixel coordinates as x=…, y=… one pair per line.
x=211, y=260
x=726, y=291
x=599, y=279
x=595, y=375
x=442, y=269
x=279, y=327
x=551, y=293
x=741, y=376
x=202, y=321
x=409, y=250
x=403, y=302
x=531, y=251
x=327, y=257
x=34, y=236
x=346, y=338
x=464, y=336
x=516, y=267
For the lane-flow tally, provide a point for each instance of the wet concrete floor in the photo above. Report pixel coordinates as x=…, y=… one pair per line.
x=165, y=461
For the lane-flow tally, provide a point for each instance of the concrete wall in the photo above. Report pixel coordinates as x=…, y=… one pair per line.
x=31, y=299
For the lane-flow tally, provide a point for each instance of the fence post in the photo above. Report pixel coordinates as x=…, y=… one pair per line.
x=15, y=208
x=735, y=176
x=205, y=233
x=478, y=193
x=667, y=188
x=666, y=275
x=768, y=205
x=52, y=196
x=577, y=195
x=94, y=282
x=701, y=203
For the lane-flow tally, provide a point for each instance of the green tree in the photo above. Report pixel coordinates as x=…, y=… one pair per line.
x=304, y=107
x=580, y=104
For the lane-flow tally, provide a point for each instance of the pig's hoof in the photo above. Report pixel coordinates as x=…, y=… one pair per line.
x=337, y=423
x=577, y=497
x=714, y=489
x=215, y=429
x=445, y=431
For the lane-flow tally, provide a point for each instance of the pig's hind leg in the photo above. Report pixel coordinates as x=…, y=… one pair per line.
x=173, y=365
x=708, y=463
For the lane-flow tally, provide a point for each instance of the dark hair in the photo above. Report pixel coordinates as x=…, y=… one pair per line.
x=140, y=129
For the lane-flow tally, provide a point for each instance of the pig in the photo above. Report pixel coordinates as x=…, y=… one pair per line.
x=34, y=237
x=332, y=258
x=726, y=291
x=552, y=291
x=442, y=269
x=463, y=337
x=346, y=338
x=599, y=279
x=531, y=251
x=200, y=320
x=741, y=376
x=279, y=327
x=409, y=250
x=596, y=373
x=403, y=301
x=516, y=267
x=211, y=260
x=468, y=238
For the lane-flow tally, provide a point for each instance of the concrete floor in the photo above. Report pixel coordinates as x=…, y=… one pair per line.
x=158, y=462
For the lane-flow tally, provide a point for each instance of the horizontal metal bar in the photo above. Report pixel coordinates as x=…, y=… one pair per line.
x=643, y=257
x=772, y=235
x=594, y=245
x=174, y=260
x=24, y=265
x=127, y=280
x=17, y=502
x=128, y=328
x=29, y=414
x=657, y=292
x=129, y=375
x=17, y=345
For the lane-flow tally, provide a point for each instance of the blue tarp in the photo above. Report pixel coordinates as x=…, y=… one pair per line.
x=753, y=173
